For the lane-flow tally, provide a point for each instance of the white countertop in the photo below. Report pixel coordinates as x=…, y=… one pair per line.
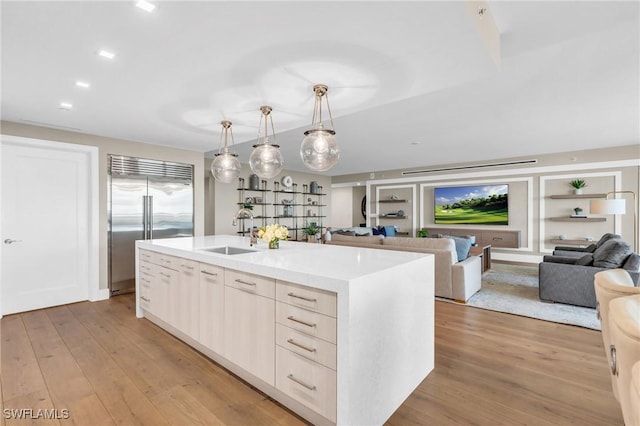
x=322, y=266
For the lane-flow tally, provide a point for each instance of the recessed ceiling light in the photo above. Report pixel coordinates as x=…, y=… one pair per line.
x=106, y=54
x=83, y=84
x=146, y=6
x=415, y=143
x=66, y=106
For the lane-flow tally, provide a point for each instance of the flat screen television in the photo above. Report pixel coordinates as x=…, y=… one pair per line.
x=472, y=205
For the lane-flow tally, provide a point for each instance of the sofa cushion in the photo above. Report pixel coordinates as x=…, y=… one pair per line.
x=342, y=232
x=586, y=260
x=606, y=237
x=360, y=239
x=611, y=254
x=426, y=243
x=632, y=263
x=590, y=248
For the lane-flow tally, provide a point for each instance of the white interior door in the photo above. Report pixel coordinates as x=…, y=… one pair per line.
x=45, y=227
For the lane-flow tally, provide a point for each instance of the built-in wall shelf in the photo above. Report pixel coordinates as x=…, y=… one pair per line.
x=384, y=216
x=578, y=219
x=574, y=196
x=392, y=201
x=582, y=242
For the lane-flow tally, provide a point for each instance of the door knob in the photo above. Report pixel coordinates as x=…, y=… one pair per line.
x=10, y=241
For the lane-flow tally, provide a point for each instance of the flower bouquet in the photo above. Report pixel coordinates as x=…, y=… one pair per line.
x=273, y=234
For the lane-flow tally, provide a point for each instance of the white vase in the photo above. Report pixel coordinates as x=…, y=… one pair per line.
x=577, y=191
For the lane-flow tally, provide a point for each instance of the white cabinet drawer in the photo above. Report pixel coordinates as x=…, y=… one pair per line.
x=255, y=284
x=146, y=267
x=306, y=297
x=147, y=256
x=310, y=383
x=167, y=261
x=308, y=322
x=309, y=347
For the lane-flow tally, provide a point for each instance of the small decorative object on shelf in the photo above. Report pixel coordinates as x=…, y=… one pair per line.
x=577, y=185
x=272, y=234
x=254, y=182
x=578, y=213
x=422, y=233
x=311, y=230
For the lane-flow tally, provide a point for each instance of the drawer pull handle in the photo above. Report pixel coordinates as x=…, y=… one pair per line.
x=245, y=282
x=145, y=299
x=213, y=274
x=306, y=299
x=300, y=382
x=497, y=238
x=188, y=267
x=300, y=322
x=294, y=343
x=613, y=364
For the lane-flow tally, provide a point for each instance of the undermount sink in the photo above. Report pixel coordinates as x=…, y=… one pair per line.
x=228, y=250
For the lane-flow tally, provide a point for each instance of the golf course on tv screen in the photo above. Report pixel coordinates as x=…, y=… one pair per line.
x=472, y=205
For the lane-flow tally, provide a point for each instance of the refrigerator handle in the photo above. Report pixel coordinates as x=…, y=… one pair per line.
x=145, y=215
x=150, y=217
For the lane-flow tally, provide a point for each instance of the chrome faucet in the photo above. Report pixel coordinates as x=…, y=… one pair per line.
x=242, y=214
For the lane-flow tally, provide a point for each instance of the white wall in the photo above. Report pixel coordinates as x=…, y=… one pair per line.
x=341, y=212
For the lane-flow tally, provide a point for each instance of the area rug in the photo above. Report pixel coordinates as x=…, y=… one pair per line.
x=514, y=289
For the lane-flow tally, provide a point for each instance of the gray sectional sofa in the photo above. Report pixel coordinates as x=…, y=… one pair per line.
x=568, y=275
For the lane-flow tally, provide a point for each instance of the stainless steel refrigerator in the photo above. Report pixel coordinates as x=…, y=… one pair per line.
x=148, y=199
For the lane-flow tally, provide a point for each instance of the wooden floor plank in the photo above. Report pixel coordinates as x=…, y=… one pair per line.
x=37, y=400
x=21, y=375
x=490, y=369
x=123, y=400
x=68, y=386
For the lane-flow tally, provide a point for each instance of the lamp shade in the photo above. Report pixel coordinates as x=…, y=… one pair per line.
x=613, y=206
x=226, y=167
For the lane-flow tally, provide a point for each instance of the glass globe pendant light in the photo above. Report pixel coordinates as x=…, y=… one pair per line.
x=319, y=150
x=266, y=159
x=226, y=166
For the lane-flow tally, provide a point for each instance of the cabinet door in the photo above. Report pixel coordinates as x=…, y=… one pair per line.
x=185, y=298
x=160, y=290
x=211, y=306
x=249, y=332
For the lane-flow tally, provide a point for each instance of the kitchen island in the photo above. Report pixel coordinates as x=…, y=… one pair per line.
x=340, y=335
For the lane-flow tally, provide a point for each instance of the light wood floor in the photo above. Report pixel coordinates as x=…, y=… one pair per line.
x=107, y=367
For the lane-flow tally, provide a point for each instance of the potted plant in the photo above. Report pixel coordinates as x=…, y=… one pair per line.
x=577, y=185
x=311, y=230
x=422, y=233
x=578, y=210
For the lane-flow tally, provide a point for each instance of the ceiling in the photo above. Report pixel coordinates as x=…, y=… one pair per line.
x=410, y=83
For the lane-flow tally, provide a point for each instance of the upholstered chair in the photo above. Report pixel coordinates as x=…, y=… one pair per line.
x=609, y=285
x=634, y=388
x=624, y=323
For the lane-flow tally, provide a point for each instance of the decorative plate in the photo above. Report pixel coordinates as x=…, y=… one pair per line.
x=287, y=181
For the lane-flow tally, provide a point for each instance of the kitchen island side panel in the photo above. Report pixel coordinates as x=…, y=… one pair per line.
x=386, y=343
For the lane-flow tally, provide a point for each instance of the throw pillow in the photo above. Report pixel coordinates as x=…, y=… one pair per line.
x=611, y=254
x=586, y=260
x=390, y=231
x=376, y=231
x=632, y=263
x=462, y=247
x=349, y=233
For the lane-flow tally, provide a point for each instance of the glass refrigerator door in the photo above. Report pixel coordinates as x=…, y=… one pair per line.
x=126, y=226
x=172, y=207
